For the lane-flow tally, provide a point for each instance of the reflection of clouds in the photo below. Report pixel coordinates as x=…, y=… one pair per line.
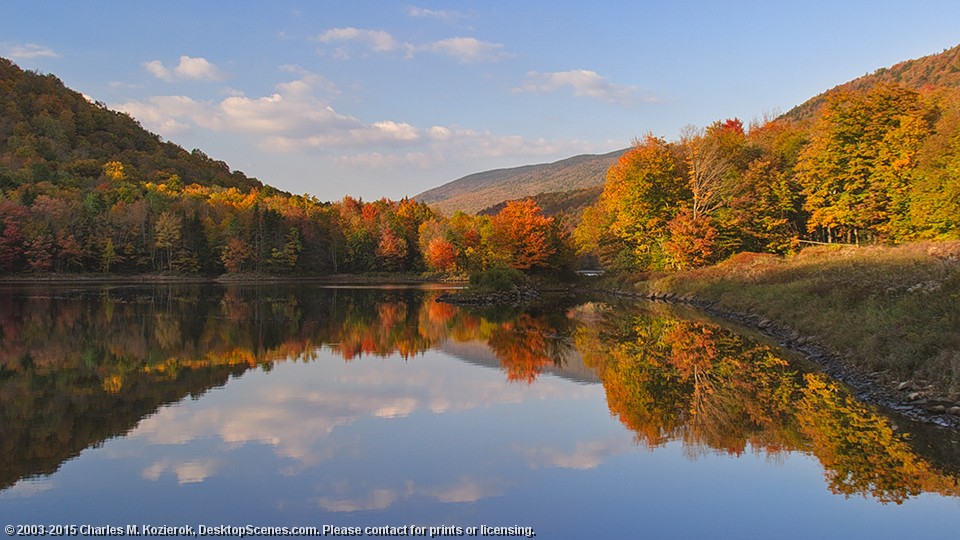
x=585, y=455
x=379, y=499
x=295, y=408
x=465, y=490
x=188, y=472
x=24, y=489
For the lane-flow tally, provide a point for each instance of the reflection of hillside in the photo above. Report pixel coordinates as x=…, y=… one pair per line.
x=83, y=364
x=670, y=379
x=48, y=419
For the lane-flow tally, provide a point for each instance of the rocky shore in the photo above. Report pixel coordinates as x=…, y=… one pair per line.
x=511, y=297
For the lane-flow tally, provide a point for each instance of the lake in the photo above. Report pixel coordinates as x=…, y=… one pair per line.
x=218, y=408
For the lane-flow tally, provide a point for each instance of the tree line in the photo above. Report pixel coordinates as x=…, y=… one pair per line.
x=125, y=227
x=874, y=165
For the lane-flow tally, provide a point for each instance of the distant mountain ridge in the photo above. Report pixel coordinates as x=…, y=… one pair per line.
x=478, y=191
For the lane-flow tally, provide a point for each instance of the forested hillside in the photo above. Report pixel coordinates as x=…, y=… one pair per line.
x=877, y=162
x=933, y=71
x=53, y=135
x=85, y=189
x=566, y=205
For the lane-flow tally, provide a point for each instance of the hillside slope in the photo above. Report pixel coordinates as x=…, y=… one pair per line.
x=933, y=71
x=566, y=204
x=53, y=134
x=481, y=190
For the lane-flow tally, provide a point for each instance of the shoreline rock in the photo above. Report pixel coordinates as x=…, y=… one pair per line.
x=512, y=297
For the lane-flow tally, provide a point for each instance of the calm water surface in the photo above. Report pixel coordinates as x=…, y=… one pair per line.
x=306, y=406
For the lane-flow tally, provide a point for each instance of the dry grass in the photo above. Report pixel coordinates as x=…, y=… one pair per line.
x=891, y=309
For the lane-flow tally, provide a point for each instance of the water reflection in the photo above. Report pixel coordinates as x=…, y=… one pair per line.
x=79, y=366
x=668, y=378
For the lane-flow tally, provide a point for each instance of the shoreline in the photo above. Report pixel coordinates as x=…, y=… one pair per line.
x=868, y=387
x=225, y=279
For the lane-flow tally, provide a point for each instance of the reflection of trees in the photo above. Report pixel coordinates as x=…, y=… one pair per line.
x=523, y=347
x=669, y=379
x=81, y=365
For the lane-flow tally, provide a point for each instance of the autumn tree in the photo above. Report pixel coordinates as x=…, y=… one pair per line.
x=858, y=166
x=640, y=197
x=934, y=194
x=521, y=236
x=167, y=238
x=11, y=235
x=708, y=165
x=691, y=242
x=391, y=249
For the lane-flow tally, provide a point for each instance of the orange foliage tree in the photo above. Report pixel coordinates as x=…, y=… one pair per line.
x=521, y=236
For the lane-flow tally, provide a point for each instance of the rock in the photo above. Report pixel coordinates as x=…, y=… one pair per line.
x=954, y=411
x=764, y=323
x=914, y=396
x=937, y=409
x=905, y=385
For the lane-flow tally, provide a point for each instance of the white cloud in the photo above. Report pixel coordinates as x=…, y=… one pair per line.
x=198, y=69
x=466, y=50
x=27, y=51
x=189, y=68
x=584, y=83
x=170, y=115
x=292, y=116
x=443, y=14
x=441, y=145
x=381, y=161
x=157, y=69
x=376, y=40
x=298, y=118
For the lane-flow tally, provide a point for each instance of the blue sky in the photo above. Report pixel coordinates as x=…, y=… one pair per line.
x=380, y=98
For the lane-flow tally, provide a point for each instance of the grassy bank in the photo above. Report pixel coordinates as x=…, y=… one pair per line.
x=893, y=312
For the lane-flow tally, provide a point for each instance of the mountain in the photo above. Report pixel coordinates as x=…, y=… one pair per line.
x=53, y=134
x=933, y=71
x=569, y=204
x=477, y=191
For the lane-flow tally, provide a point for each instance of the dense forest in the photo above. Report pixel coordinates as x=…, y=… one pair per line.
x=85, y=189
